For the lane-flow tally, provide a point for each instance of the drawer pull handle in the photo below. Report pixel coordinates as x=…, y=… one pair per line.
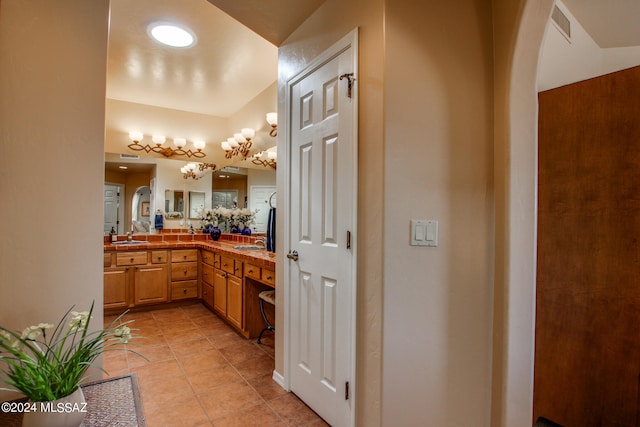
x=131, y=259
x=185, y=257
x=205, y=293
x=250, y=271
x=159, y=258
x=184, y=290
x=185, y=271
x=268, y=277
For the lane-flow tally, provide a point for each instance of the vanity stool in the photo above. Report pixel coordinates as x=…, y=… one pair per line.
x=270, y=298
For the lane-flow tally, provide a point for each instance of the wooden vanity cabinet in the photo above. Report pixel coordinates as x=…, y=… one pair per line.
x=135, y=278
x=184, y=274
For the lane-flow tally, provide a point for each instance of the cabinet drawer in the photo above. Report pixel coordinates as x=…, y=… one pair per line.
x=230, y=265
x=208, y=257
x=186, y=289
x=158, y=257
x=207, y=294
x=252, y=271
x=269, y=276
x=207, y=274
x=184, y=271
x=184, y=255
x=131, y=258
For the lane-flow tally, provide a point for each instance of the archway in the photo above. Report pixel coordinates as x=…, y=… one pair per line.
x=515, y=182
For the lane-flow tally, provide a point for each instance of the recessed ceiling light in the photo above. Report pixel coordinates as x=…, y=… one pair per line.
x=172, y=35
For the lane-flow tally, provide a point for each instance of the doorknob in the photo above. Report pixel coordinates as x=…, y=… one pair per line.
x=293, y=255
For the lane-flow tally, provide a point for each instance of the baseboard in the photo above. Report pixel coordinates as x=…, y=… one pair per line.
x=279, y=379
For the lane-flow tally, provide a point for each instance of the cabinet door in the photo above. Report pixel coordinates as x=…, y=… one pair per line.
x=220, y=291
x=234, y=300
x=207, y=294
x=115, y=288
x=150, y=284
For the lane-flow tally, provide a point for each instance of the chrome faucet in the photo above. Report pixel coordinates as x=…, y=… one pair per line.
x=260, y=241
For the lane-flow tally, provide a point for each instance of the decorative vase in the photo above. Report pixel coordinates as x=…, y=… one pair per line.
x=247, y=231
x=234, y=228
x=68, y=411
x=216, y=233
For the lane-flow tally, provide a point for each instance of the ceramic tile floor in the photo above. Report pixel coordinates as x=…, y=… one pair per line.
x=201, y=373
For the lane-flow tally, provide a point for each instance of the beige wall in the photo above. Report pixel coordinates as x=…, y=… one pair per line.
x=438, y=165
x=332, y=21
x=53, y=68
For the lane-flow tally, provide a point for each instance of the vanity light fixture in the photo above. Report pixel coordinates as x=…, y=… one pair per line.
x=189, y=170
x=272, y=119
x=266, y=158
x=159, y=140
x=240, y=144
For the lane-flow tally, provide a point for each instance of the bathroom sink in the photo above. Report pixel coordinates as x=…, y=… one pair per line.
x=248, y=247
x=130, y=242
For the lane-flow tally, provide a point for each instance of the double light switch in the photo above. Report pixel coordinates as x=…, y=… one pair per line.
x=424, y=232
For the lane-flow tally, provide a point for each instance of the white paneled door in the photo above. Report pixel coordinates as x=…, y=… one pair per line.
x=321, y=229
x=111, y=206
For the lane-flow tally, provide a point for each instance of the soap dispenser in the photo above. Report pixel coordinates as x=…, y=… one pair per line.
x=114, y=235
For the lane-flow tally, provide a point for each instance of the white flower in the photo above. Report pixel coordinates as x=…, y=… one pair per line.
x=32, y=332
x=124, y=333
x=79, y=320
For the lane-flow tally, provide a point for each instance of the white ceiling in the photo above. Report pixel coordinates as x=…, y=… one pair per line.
x=611, y=23
x=229, y=65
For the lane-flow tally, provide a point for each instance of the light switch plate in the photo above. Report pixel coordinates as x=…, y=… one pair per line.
x=424, y=232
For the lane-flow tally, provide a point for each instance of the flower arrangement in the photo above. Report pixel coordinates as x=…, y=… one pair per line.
x=243, y=217
x=214, y=217
x=47, y=367
x=219, y=215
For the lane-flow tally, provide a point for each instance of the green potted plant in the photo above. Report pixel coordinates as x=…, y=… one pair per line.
x=48, y=363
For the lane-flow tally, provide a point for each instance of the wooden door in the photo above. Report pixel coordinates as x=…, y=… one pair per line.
x=587, y=360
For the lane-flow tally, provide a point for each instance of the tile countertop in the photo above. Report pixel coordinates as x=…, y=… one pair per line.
x=200, y=241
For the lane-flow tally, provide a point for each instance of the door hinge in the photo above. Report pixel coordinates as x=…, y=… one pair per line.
x=348, y=239
x=346, y=390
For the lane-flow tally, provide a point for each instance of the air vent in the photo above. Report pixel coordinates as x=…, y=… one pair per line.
x=562, y=22
x=129, y=156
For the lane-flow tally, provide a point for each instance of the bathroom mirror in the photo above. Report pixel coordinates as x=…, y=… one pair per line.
x=174, y=204
x=196, y=203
